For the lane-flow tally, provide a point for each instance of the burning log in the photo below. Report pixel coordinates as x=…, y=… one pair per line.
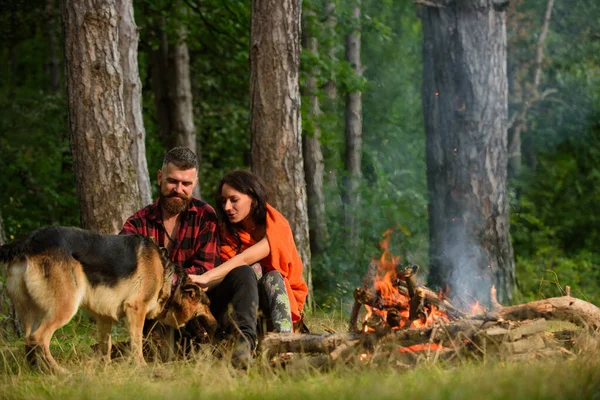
x=417, y=305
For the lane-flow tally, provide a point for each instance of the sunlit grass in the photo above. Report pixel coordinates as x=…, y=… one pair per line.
x=206, y=377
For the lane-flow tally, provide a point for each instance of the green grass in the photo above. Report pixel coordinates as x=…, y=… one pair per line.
x=207, y=378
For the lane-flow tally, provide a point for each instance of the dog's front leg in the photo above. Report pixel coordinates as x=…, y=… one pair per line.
x=104, y=337
x=136, y=316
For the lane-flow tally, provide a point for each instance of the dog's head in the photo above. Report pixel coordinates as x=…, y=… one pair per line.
x=189, y=301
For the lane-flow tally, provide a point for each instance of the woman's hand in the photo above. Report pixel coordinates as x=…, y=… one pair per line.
x=200, y=280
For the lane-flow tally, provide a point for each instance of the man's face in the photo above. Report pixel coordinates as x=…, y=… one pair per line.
x=176, y=187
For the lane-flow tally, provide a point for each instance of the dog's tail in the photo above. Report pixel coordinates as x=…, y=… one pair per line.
x=13, y=251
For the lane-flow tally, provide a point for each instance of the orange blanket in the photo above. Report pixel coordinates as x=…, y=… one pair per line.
x=284, y=257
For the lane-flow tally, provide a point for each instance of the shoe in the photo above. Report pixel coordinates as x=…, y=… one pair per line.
x=242, y=356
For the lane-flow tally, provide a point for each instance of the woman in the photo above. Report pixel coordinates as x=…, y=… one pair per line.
x=254, y=233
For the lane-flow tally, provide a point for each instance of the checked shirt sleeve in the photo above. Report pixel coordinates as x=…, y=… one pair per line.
x=206, y=255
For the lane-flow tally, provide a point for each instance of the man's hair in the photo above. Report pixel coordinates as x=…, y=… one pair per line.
x=182, y=157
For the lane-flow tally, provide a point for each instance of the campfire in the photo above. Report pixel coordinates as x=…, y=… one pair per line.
x=403, y=321
x=393, y=298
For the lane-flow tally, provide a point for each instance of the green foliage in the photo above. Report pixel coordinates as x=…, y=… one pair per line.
x=554, y=204
x=393, y=189
x=555, y=217
x=37, y=175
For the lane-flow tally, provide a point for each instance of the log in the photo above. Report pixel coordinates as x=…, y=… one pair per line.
x=417, y=305
x=563, y=308
x=276, y=343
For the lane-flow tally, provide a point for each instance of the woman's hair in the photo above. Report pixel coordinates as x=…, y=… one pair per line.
x=247, y=183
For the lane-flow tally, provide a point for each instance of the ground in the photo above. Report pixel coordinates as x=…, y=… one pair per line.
x=207, y=378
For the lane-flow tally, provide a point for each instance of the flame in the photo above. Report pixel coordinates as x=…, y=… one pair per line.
x=477, y=308
x=421, y=347
x=386, y=278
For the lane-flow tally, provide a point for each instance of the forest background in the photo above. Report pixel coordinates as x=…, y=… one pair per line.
x=554, y=195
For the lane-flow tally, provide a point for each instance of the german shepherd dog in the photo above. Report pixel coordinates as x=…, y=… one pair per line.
x=55, y=270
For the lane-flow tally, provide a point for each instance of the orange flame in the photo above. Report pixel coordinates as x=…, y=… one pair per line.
x=477, y=308
x=385, y=276
x=420, y=347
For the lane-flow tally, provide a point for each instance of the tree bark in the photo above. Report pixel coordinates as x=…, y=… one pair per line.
x=106, y=178
x=276, y=144
x=314, y=168
x=353, y=131
x=464, y=96
x=132, y=96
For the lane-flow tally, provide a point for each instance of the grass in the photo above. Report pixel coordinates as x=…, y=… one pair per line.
x=208, y=378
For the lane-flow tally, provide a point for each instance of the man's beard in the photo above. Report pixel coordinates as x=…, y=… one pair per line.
x=174, y=204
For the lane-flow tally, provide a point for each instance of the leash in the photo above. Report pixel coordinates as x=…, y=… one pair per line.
x=179, y=274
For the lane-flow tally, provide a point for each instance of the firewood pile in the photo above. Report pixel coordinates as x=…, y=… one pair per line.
x=404, y=324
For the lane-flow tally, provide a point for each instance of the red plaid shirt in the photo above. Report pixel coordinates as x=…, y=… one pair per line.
x=196, y=246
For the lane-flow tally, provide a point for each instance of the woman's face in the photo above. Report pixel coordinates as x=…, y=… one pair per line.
x=237, y=205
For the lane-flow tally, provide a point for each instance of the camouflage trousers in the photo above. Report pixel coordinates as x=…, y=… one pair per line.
x=274, y=304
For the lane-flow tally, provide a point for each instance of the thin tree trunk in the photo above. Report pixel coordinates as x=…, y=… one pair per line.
x=519, y=122
x=353, y=131
x=172, y=88
x=160, y=86
x=52, y=67
x=275, y=114
x=465, y=107
x=132, y=96
x=313, y=161
x=331, y=22
x=180, y=96
x=106, y=178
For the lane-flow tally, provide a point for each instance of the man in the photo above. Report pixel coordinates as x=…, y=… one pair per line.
x=187, y=228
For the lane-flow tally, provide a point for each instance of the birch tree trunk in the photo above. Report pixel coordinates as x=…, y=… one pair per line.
x=314, y=168
x=465, y=106
x=132, y=96
x=106, y=178
x=276, y=144
x=353, y=131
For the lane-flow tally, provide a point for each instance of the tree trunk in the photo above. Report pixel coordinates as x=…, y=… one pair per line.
x=353, y=131
x=331, y=22
x=530, y=97
x=52, y=67
x=313, y=161
x=275, y=113
x=171, y=84
x=132, y=96
x=106, y=178
x=465, y=105
x=160, y=86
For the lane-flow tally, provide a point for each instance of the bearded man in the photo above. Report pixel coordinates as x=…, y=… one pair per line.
x=187, y=228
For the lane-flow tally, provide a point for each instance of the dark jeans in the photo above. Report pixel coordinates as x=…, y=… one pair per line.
x=234, y=303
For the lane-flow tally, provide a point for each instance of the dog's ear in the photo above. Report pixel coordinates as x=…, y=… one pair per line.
x=192, y=290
